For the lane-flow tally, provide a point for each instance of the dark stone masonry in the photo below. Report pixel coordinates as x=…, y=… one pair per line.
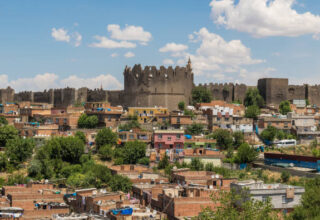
x=164, y=87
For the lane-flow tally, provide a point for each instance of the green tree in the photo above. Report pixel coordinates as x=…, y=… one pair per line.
x=201, y=94
x=68, y=170
x=181, y=106
x=133, y=151
x=246, y=154
x=4, y=163
x=86, y=121
x=132, y=123
x=106, y=152
x=34, y=169
x=223, y=137
x=144, y=161
x=81, y=136
x=106, y=136
x=195, y=129
x=68, y=149
x=310, y=203
x=284, y=107
x=226, y=208
x=120, y=183
x=92, y=121
x=238, y=138
x=3, y=120
x=196, y=164
x=82, y=121
x=7, y=132
x=253, y=97
x=269, y=133
x=77, y=180
x=164, y=162
x=252, y=111
x=19, y=150
x=285, y=176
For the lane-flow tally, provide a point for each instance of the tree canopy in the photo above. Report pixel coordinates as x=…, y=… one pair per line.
x=201, y=94
x=3, y=120
x=246, y=154
x=226, y=208
x=252, y=111
x=223, y=137
x=310, y=203
x=18, y=150
x=238, y=138
x=133, y=151
x=195, y=129
x=253, y=97
x=181, y=106
x=86, y=121
x=106, y=137
x=284, y=107
x=7, y=132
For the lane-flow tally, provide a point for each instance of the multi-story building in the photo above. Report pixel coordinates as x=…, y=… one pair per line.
x=146, y=114
x=283, y=197
x=304, y=127
x=168, y=139
x=281, y=123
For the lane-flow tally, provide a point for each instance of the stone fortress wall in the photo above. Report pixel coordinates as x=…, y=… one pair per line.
x=166, y=87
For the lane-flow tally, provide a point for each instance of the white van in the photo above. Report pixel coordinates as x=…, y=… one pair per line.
x=286, y=143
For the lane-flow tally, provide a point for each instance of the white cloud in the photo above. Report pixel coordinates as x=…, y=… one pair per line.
x=215, y=53
x=114, y=55
x=50, y=80
x=77, y=39
x=107, y=81
x=173, y=48
x=129, y=54
x=60, y=34
x=264, y=18
x=168, y=62
x=129, y=33
x=105, y=42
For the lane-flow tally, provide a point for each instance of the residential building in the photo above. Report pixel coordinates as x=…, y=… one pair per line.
x=135, y=134
x=146, y=114
x=204, y=154
x=281, y=123
x=168, y=139
x=283, y=197
x=304, y=127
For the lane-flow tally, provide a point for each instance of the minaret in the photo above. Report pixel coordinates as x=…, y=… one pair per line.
x=101, y=87
x=189, y=65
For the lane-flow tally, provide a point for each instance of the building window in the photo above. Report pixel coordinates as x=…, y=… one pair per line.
x=131, y=136
x=226, y=119
x=169, y=138
x=57, y=120
x=151, y=112
x=109, y=118
x=178, y=120
x=264, y=198
x=178, y=136
x=218, y=119
x=65, y=120
x=286, y=124
x=284, y=199
x=160, y=136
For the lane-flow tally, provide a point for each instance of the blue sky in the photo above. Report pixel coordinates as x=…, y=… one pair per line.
x=49, y=44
